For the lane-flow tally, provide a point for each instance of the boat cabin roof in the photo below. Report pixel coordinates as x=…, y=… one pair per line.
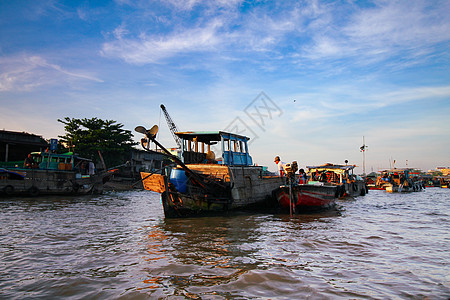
x=402, y=170
x=338, y=169
x=332, y=167
x=210, y=137
x=63, y=155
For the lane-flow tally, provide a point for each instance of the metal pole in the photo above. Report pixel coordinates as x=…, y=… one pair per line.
x=6, y=154
x=364, y=156
x=290, y=197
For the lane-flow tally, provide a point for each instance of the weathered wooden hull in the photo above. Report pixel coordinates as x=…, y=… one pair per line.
x=354, y=189
x=416, y=186
x=247, y=188
x=37, y=182
x=307, y=197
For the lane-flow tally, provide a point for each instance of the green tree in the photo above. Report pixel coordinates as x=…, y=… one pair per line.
x=88, y=136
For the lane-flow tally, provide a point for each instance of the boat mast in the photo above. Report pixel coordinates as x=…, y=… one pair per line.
x=363, y=150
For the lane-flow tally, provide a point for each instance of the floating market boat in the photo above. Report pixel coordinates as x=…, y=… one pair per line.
x=303, y=197
x=307, y=197
x=200, y=184
x=47, y=173
x=348, y=184
x=399, y=180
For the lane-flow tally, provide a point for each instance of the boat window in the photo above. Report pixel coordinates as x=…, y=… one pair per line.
x=241, y=147
x=226, y=145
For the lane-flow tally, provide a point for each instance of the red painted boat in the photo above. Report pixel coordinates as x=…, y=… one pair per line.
x=307, y=197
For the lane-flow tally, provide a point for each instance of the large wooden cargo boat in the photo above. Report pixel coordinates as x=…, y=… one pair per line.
x=49, y=173
x=200, y=184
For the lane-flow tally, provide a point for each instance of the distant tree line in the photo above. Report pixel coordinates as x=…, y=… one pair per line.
x=87, y=137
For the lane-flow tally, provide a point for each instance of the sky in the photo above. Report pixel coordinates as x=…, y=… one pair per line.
x=305, y=80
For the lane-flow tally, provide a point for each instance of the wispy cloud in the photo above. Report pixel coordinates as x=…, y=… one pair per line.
x=153, y=49
x=23, y=73
x=309, y=30
x=388, y=29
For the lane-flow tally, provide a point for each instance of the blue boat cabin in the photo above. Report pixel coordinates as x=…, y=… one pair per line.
x=199, y=146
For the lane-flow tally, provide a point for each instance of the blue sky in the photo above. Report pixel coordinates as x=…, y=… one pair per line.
x=306, y=80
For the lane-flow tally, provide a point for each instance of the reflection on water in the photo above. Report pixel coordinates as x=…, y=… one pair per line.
x=380, y=246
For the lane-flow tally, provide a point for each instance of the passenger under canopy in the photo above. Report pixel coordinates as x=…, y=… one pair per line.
x=196, y=148
x=333, y=173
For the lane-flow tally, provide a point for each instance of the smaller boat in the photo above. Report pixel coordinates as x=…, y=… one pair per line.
x=444, y=181
x=341, y=176
x=47, y=173
x=306, y=197
x=303, y=197
x=399, y=180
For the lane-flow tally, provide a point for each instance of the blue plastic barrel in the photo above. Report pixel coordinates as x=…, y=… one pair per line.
x=178, y=179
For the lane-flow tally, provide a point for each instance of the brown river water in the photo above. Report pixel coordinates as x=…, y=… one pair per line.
x=120, y=246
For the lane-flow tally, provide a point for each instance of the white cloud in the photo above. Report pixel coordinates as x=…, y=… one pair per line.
x=152, y=49
x=23, y=73
x=374, y=34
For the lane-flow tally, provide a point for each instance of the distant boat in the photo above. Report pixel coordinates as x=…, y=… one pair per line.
x=341, y=176
x=399, y=180
x=50, y=173
x=202, y=183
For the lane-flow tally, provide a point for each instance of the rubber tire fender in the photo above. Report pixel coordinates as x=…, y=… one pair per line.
x=33, y=191
x=363, y=192
x=8, y=190
x=338, y=191
x=342, y=191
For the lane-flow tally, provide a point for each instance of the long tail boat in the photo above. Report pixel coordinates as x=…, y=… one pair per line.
x=200, y=184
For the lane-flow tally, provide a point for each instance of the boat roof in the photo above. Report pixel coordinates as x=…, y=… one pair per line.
x=397, y=170
x=332, y=166
x=60, y=155
x=209, y=136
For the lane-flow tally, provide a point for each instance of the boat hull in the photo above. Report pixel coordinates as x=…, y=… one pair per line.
x=354, y=189
x=36, y=182
x=307, y=197
x=245, y=188
x=416, y=186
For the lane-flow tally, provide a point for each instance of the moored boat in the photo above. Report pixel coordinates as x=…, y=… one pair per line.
x=306, y=197
x=200, y=184
x=48, y=173
x=341, y=176
x=399, y=180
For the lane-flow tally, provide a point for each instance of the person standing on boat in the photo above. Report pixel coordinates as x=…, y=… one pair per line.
x=302, y=178
x=29, y=162
x=280, y=165
x=91, y=167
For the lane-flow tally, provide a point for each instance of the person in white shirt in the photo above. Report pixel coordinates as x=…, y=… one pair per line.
x=280, y=165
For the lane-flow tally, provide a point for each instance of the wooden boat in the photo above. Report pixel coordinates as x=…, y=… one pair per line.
x=52, y=173
x=342, y=176
x=399, y=180
x=307, y=197
x=200, y=184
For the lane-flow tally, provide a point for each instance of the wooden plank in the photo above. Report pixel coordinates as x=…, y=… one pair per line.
x=154, y=182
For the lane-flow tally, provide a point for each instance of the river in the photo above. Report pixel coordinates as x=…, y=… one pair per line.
x=119, y=246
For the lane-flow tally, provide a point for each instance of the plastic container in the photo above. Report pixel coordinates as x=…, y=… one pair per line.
x=179, y=179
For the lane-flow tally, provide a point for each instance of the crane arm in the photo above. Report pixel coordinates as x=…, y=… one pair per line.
x=173, y=128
